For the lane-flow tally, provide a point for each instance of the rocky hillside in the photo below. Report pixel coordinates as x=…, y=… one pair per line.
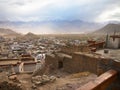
x=30, y=35
x=4, y=31
x=109, y=29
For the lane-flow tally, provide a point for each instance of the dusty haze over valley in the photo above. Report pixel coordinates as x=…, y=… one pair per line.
x=59, y=44
x=44, y=17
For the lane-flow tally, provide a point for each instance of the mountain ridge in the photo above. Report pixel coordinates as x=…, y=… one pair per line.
x=52, y=26
x=109, y=29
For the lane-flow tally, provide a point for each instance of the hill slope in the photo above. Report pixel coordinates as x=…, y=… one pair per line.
x=109, y=29
x=30, y=35
x=4, y=31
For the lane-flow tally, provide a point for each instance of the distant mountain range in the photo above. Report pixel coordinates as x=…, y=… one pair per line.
x=56, y=27
x=109, y=29
x=52, y=26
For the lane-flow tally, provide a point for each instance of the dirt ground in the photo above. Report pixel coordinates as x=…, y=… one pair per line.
x=68, y=83
x=64, y=81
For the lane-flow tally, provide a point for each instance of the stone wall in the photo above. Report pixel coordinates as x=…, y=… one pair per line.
x=102, y=82
x=52, y=61
x=80, y=62
x=114, y=64
x=67, y=64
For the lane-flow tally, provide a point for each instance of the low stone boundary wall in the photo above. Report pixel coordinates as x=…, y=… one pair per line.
x=102, y=82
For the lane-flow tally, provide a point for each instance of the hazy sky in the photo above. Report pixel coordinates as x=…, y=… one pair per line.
x=42, y=10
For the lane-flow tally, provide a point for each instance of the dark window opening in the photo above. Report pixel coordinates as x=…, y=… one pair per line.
x=60, y=64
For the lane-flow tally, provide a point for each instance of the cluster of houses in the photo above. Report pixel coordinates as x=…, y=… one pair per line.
x=29, y=55
x=21, y=56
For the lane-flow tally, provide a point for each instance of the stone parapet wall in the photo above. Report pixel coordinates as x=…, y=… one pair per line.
x=85, y=62
x=71, y=49
x=102, y=82
x=115, y=85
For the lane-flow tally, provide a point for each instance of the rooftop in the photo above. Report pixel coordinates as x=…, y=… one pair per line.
x=2, y=63
x=112, y=53
x=115, y=36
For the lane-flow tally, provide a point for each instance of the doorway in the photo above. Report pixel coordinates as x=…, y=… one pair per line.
x=60, y=64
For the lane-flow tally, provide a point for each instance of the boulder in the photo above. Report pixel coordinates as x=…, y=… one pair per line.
x=34, y=86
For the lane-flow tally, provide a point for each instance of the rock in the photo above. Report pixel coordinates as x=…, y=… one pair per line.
x=38, y=83
x=34, y=86
x=69, y=85
x=36, y=79
x=9, y=86
x=12, y=77
x=45, y=79
x=61, y=88
x=58, y=76
x=52, y=78
x=19, y=85
x=40, y=80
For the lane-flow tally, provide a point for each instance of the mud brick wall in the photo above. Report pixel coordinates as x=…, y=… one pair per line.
x=52, y=61
x=68, y=65
x=83, y=62
x=79, y=62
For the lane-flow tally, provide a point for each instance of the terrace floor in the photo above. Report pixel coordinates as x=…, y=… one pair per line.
x=112, y=53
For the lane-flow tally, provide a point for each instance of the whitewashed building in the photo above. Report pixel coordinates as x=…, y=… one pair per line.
x=40, y=59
